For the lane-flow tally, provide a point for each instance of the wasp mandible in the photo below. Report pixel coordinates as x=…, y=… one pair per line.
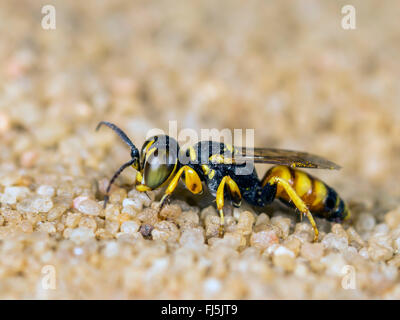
x=159, y=163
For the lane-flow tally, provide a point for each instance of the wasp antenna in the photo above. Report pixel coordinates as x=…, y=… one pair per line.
x=115, y=176
x=147, y=195
x=106, y=198
x=120, y=133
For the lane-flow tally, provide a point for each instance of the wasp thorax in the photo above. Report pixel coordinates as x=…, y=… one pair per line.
x=159, y=165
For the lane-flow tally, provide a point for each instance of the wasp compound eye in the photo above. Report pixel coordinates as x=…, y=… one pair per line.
x=158, y=167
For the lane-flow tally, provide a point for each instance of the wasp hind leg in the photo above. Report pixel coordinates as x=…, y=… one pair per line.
x=297, y=201
x=236, y=198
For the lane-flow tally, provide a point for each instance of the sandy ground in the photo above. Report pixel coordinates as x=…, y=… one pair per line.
x=288, y=70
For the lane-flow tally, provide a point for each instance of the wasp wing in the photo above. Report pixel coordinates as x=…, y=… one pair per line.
x=294, y=159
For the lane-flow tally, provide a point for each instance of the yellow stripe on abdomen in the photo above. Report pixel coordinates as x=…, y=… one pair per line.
x=302, y=184
x=320, y=192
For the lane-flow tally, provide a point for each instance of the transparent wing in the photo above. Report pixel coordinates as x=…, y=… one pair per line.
x=294, y=159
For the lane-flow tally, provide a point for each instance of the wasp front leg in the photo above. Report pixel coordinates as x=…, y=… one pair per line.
x=192, y=182
x=235, y=194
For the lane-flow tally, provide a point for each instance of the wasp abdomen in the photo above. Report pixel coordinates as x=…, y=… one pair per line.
x=320, y=198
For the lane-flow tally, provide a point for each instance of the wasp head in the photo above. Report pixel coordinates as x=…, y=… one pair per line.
x=158, y=160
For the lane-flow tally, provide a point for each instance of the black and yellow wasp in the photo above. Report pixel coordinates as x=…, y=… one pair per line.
x=161, y=163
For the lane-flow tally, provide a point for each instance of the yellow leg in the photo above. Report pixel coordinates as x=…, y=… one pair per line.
x=298, y=202
x=235, y=192
x=192, y=181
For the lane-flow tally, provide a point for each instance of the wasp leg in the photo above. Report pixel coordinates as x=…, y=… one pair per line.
x=298, y=202
x=235, y=193
x=192, y=182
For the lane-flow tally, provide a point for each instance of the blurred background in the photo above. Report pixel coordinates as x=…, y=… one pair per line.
x=286, y=69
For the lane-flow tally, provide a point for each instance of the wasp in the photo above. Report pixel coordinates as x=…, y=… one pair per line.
x=223, y=169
